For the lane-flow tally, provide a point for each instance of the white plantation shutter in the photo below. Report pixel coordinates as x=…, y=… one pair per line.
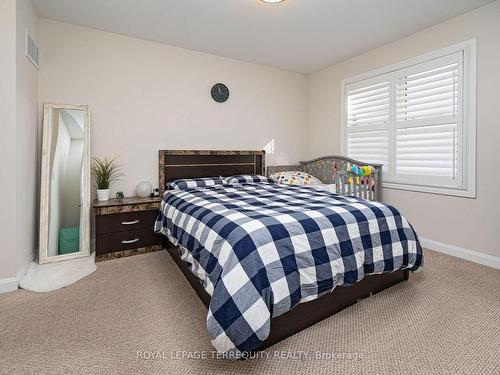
x=370, y=147
x=427, y=150
x=428, y=121
x=368, y=115
x=431, y=93
x=368, y=105
x=411, y=120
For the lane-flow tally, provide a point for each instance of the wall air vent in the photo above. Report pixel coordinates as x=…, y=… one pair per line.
x=32, y=50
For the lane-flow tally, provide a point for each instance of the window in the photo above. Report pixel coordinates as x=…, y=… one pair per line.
x=416, y=118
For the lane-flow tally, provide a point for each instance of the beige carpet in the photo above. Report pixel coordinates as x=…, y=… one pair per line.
x=446, y=319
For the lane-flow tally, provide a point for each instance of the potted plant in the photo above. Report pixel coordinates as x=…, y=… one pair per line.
x=105, y=172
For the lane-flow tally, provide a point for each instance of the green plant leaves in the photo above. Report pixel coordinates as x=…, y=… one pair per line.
x=106, y=172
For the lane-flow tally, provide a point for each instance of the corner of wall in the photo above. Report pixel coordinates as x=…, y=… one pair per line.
x=8, y=138
x=26, y=145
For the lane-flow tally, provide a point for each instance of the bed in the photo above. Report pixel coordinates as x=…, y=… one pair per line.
x=251, y=250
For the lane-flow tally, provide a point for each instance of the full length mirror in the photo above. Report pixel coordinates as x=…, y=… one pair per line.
x=65, y=185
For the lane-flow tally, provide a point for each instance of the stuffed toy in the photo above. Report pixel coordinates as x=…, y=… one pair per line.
x=367, y=170
x=356, y=170
x=356, y=173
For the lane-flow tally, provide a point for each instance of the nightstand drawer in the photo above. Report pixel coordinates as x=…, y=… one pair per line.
x=126, y=240
x=125, y=221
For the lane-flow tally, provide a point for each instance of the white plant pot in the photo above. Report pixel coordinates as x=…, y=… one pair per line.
x=102, y=194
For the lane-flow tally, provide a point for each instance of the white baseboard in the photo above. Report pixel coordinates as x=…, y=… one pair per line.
x=12, y=283
x=9, y=284
x=459, y=252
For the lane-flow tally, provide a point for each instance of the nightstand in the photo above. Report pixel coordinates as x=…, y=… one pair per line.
x=124, y=227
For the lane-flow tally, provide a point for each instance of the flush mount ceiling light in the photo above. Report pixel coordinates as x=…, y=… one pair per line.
x=272, y=1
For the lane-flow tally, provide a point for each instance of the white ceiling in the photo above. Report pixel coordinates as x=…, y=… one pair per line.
x=298, y=35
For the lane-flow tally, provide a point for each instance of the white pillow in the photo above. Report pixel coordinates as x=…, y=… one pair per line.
x=295, y=178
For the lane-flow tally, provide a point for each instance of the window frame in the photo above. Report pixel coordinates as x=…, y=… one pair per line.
x=469, y=49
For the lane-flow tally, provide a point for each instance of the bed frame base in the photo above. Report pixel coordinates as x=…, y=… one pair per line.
x=307, y=314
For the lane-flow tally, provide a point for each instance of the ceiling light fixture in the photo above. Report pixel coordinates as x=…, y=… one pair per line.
x=272, y=1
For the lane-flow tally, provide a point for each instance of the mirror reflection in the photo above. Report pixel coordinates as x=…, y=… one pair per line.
x=66, y=171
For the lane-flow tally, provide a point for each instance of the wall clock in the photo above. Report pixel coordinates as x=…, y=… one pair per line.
x=220, y=92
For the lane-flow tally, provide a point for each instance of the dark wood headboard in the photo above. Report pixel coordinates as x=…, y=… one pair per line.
x=176, y=164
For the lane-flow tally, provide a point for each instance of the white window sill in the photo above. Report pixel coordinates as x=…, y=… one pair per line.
x=431, y=190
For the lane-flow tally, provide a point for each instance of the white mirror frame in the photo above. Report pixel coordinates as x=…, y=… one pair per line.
x=43, y=257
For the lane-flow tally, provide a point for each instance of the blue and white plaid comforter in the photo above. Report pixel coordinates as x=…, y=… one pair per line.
x=260, y=249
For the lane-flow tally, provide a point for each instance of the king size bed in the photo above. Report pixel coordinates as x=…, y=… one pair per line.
x=270, y=260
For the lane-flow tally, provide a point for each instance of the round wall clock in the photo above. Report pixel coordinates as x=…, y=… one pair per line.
x=220, y=92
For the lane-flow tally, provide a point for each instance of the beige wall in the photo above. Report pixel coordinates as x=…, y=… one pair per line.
x=18, y=143
x=468, y=223
x=146, y=96
x=26, y=137
x=8, y=138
